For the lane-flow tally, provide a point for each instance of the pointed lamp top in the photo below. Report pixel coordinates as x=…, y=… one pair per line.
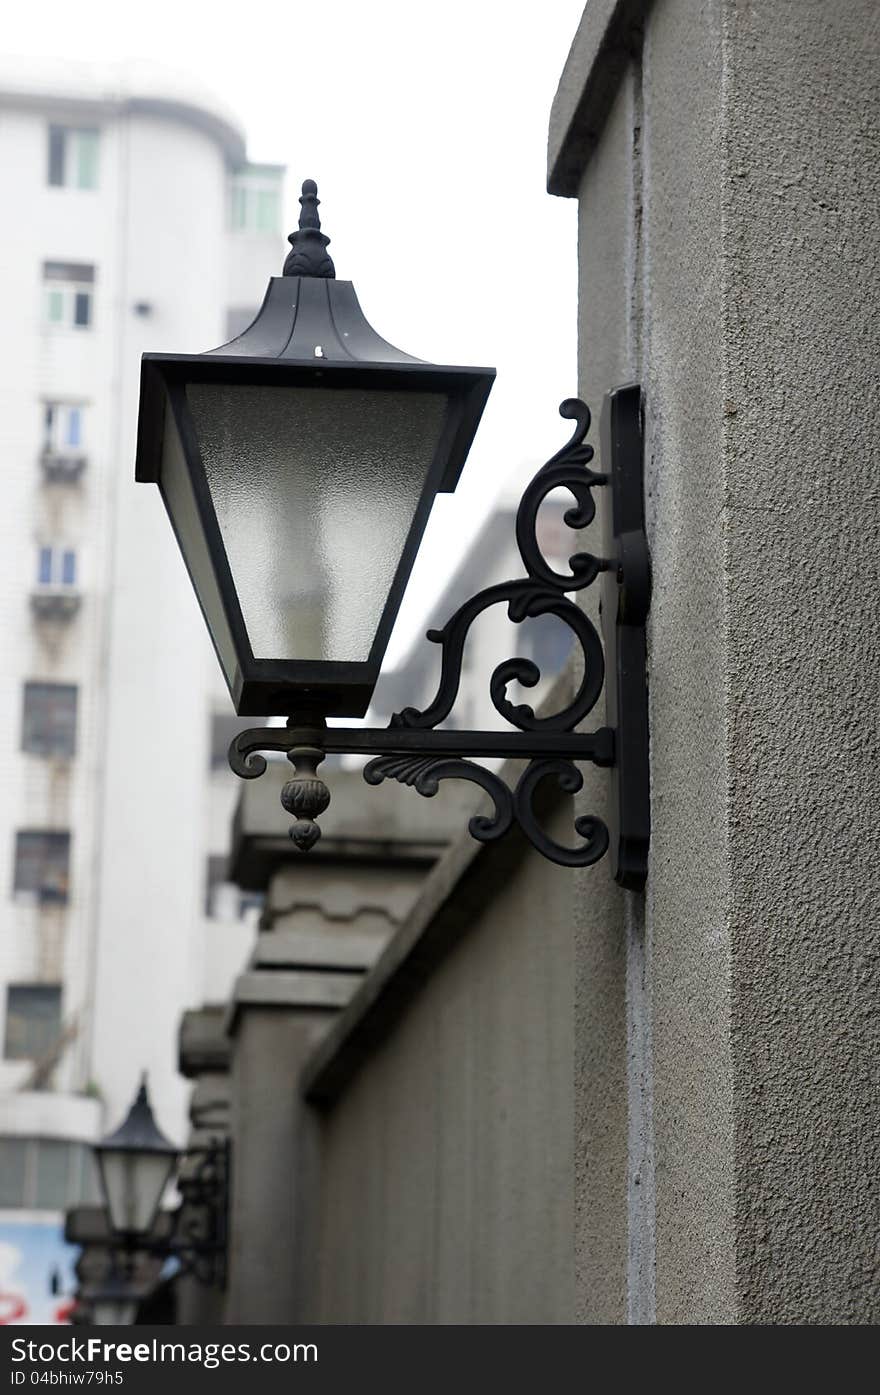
x=309, y=255
x=139, y=1132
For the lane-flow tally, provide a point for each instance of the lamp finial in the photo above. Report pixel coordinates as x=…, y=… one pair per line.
x=308, y=255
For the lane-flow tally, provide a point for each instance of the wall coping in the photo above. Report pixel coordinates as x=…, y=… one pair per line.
x=280, y=988
x=608, y=37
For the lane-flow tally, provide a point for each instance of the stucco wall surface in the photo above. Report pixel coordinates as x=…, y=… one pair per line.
x=688, y=908
x=728, y=260
x=605, y=353
x=802, y=199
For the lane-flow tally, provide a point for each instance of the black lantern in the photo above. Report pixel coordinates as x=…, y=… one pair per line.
x=135, y=1164
x=298, y=465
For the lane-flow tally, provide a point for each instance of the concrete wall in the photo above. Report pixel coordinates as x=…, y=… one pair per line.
x=445, y=1091
x=726, y=1028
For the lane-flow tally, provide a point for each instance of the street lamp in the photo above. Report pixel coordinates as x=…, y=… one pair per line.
x=298, y=465
x=135, y=1164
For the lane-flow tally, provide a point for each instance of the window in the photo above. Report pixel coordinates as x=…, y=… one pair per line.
x=42, y=864
x=239, y=206
x=73, y=157
x=69, y=288
x=63, y=424
x=267, y=212
x=255, y=200
x=49, y=719
x=45, y=1174
x=56, y=566
x=33, y=1020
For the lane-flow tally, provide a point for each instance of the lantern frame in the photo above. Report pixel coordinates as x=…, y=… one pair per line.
x=282, y=686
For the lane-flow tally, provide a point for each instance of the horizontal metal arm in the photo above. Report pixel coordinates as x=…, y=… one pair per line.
x=594, y=746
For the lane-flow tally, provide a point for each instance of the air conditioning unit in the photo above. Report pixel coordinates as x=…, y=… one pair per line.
x=62, y=467
x=55, y=602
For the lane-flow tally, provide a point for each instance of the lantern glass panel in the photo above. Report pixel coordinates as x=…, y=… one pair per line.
x=314, y=491
x=134, y=1181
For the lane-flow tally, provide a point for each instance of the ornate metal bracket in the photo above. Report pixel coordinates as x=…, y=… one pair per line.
x=199, y=1241
x=414, y=752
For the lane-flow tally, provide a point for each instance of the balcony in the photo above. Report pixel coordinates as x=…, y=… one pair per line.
x=62, y=466
x=58, y=603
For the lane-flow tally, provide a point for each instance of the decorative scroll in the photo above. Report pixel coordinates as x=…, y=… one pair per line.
x=592, y=829
x=542, y=593
x=424, y=774
x=567, y=469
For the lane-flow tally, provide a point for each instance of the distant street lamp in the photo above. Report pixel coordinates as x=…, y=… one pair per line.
x=298, y=465
x=135, y=1165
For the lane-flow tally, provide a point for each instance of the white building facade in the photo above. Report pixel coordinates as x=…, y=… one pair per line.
x=137, y=225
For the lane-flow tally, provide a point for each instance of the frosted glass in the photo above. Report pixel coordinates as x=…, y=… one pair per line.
x=315, y=491
x=134, y=1182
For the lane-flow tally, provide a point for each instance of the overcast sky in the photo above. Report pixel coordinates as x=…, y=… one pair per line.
x=425, y=126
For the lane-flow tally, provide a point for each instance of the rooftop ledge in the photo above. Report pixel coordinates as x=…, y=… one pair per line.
x=92, y=90
x=608, y=36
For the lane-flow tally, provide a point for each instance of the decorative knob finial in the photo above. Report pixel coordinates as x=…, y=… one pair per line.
x=309, y=256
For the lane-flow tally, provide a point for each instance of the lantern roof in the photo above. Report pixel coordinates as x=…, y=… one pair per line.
x=139, y=1132
x=307, y=313
x=312, y=321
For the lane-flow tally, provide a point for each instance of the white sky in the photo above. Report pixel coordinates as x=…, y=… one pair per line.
x=425, y=127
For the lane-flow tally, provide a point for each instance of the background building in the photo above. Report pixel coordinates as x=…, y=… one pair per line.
x=136, y=223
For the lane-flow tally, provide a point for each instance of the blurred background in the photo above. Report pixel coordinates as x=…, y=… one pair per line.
x=152, y=164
